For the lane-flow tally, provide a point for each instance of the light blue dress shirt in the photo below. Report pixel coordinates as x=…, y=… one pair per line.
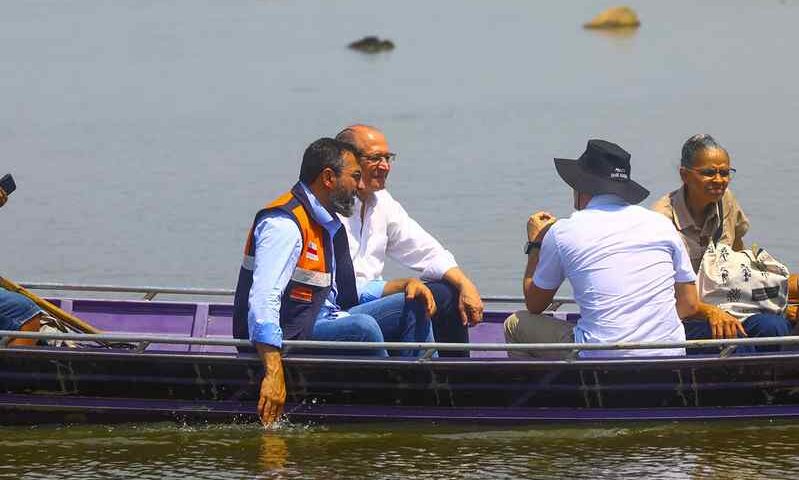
x=278, y=244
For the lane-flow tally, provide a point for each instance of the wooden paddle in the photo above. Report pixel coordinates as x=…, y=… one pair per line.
x=48, y=307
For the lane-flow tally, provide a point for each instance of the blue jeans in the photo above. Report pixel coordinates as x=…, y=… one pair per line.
x=399, y=321
x=758, y=325
x=15, y=310
x=389, y=319
x=352, y=328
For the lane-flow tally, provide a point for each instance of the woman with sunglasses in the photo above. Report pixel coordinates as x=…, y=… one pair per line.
x=694, y=209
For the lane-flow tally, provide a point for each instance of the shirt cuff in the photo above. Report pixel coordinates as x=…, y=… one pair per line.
x=372, y=291
x=266, y=332
x=439, y=266
x=544, y=284
x=685, y=277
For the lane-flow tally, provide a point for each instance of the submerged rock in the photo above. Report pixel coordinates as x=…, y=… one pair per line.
x=616, y=17
x=372, y=44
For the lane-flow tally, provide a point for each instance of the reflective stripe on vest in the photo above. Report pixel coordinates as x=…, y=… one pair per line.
x=312, y=254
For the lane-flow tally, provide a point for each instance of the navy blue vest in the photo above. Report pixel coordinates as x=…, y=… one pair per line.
x=297, y=316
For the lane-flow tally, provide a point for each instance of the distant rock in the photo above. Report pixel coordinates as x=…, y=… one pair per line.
x=616, y=17
x=372, y=44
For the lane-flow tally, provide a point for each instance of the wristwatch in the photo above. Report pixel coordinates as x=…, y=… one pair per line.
x=531, y=245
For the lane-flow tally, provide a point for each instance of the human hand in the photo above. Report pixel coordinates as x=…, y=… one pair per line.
x=3, y=197
x=538, y=224
x=415, y=289
x=272, y=396
x=724, y=325
x=470, y=305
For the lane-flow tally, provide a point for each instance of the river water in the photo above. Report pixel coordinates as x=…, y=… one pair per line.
x=143, y=135
x=674, y=451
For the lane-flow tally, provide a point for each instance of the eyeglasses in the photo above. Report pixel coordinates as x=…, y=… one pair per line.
x=375, y=158
x=712, y=172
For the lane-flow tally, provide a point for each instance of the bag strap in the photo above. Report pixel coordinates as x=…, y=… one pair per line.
x=720, y=229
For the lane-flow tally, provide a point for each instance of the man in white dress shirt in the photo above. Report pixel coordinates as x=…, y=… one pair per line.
x=630, y=272
x=380, y=227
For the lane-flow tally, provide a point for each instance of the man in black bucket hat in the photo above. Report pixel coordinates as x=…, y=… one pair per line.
x=625, y=263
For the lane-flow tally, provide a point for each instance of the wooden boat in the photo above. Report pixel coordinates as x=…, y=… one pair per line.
x=184, y=365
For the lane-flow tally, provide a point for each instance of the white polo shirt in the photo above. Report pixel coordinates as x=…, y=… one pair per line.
x=622, y=261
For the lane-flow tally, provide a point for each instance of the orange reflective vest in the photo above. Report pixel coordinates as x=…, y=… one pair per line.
x=312, y=278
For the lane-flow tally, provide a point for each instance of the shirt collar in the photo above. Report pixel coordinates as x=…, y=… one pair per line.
x=682, y=216
x=606, y=199
x=369, y=200
x=330, y=222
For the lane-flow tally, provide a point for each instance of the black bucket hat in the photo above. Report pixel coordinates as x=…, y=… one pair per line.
x=603, y=168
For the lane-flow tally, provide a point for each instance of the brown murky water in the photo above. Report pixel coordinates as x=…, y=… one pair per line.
x=721, y=450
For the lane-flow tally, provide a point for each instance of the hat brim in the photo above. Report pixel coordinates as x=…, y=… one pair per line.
x=584, y=181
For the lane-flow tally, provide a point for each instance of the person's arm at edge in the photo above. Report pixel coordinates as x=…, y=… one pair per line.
x=470, y=304
x=687, y=300
x=278, y=245
x=536, y=299
x=272, y=395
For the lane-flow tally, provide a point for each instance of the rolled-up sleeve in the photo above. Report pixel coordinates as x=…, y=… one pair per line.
x=278, y=243
x=410, y=245
x=371, y=291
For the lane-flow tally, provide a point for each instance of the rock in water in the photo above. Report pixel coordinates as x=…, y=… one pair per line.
x=372, y=44
x=616, y=17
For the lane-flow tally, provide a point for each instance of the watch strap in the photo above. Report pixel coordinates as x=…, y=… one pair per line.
x=531, y=245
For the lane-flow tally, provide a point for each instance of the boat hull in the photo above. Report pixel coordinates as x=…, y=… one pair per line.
x=99, y=384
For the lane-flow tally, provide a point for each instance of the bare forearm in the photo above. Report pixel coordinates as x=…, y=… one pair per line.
x=536, y=299
x=272, y=395
x=470, y=305
x=455, y=277
x=529, y=270
x=270, y=357
x=395, y=286
x=687, y=300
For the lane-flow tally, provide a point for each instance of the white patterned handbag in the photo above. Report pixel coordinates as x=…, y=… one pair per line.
x=743, y=283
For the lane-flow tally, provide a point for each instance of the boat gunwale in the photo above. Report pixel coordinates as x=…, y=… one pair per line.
x=341, y=345
x=332, y=360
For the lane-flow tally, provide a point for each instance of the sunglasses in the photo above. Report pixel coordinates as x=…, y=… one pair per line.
x=712, y=172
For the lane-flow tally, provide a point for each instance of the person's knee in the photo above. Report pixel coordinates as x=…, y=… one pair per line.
x=365, y=327
x=511, y=327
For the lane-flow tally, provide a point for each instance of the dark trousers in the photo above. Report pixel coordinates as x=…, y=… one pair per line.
x=759, y=325
x=447, y=324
